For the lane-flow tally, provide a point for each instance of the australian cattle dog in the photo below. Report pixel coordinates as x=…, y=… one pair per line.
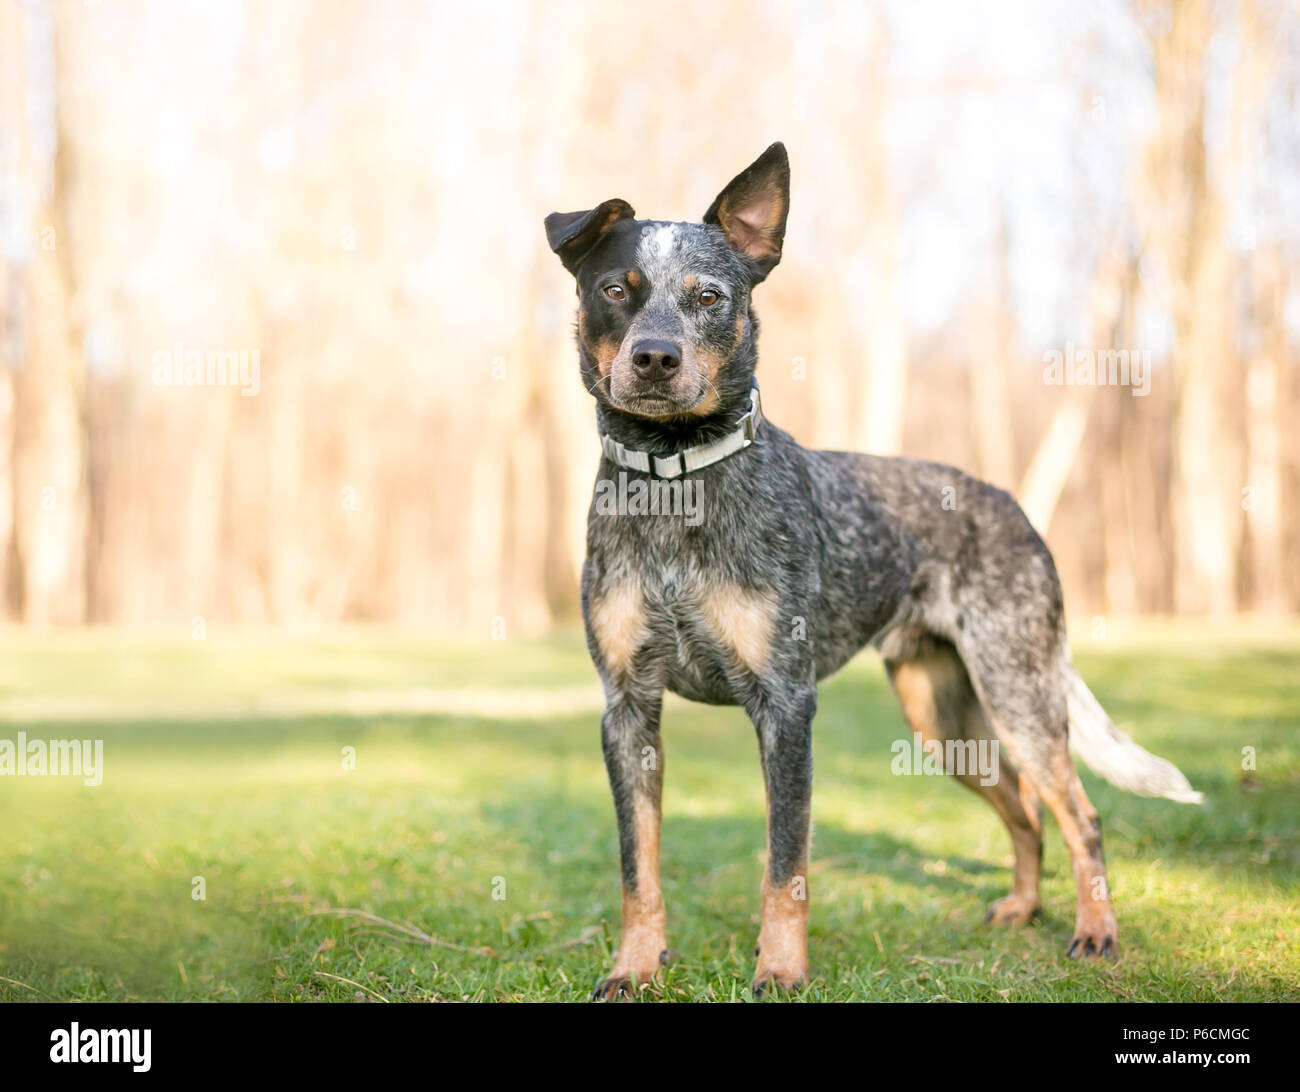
x=795, y=561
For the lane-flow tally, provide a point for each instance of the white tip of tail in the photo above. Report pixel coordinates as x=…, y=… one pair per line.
x=1109, y=753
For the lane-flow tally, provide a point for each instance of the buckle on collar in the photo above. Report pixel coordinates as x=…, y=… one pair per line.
x=754, y=414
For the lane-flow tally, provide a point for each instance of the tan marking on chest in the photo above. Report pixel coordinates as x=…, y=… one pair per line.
x=618, y=624
x=743, y=619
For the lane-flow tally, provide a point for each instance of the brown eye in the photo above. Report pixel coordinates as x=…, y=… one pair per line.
x=708, y=298
x=615, y=292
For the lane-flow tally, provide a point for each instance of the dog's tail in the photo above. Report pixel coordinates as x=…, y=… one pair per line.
x=1109, y=753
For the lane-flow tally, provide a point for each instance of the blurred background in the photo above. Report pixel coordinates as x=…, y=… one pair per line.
x=348, y=198
x=295, y=463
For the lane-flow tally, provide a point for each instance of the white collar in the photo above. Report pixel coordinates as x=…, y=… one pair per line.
x=690, y=459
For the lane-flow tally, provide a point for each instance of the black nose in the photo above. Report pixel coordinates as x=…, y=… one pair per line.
x=655, y=359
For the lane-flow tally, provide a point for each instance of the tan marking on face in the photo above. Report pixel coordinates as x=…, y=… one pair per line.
x=783, y=935
x=634, y=278
x=708, y=403
x=605, y=351
x=744, y=620
x=689, y=282
x=618, y=624
x=644, y=919
x=710, y=364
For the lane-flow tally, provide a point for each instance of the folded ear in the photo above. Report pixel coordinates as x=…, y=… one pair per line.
x=573, y=234
x=752, y=209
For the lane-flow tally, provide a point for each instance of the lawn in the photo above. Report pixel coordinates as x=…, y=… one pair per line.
x=471, y=853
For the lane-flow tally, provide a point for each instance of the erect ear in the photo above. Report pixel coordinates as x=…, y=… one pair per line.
x=752, y=209
x=573, y=234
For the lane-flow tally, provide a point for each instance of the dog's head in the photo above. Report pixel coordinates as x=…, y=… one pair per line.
x=664, y=328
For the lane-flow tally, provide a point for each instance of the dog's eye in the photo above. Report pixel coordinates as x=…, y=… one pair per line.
x=615, y=292
x=708, y=297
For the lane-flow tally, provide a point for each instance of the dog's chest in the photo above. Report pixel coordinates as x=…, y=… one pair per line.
x=691, y=634
x=697, y=631
x=703, y=594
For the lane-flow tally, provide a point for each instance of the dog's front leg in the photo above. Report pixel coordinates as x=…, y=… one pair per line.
x=634, y=761
x=783, y=720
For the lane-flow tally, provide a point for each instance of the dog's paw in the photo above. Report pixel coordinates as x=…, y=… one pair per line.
x=1095, y=935
x=774, y=983
x=1011, y=910
x=614, y=988
x=622, y=984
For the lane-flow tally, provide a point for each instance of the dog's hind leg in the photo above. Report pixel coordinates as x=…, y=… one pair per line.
x=1026, y=704
x=940, y=706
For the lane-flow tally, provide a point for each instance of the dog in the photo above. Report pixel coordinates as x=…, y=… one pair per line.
x=798, y=560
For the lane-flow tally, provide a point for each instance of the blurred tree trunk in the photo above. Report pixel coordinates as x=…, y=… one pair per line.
x=49, y=453
x=1265, y=384
x=1262, y=551
x=1111, y=292
x=883, y=394
x=533, y=485
x=9, y=572
x=990, y=373
x=13, y=100
x=1288, y=400
x=285, y=44
x=1049, y=467
x=564, y=416
x=1190, y=227
x=205, y=505
x=1116, y=465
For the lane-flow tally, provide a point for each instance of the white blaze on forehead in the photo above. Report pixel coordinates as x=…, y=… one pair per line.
x=660, y=255
x=657, y=242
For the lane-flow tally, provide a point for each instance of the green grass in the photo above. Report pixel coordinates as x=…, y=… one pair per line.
x=96, y=883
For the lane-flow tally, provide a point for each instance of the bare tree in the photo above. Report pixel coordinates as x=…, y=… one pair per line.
x=1189, y=219
x=49, y=453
